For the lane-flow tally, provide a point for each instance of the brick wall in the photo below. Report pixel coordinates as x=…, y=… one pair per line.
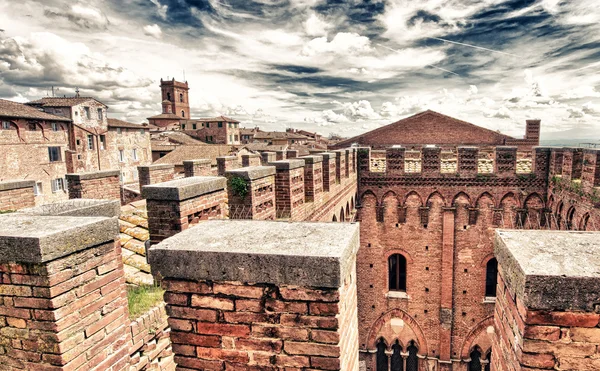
x=179, y=204
x=227, y=163
x=261, y=319
x=97, y=185
x=15, y=195
x=289, y=188
x=251, y=160
x=329, y=171
x=153, y=174
x=200, y=167
x=258, y=202
x=151, y=344
x=545, y=322
x=313, y=177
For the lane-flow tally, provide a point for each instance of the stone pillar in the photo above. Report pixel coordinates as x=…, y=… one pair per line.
x=467, y=161
x=446, y=314
x=313, y=177
x=290, y=307
x=572, y=163
x=251, y=159
x=556, y=161
x=96, y=184
x=251, y=193
x=329, y=171
x=394, y=158
x=546, y=313
x=200, y=167
x=280, y=155
x=506, y=162
x=152, y=174
x=176, y=205
x=226, y=163
x=289, y=188
x=63, y=300
x=268, y=157
x=432, y=162
x=541, y=162
x=590, y=176
x=16, y=194
x=291, y=153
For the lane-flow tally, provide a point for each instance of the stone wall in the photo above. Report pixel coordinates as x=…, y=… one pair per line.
x=299, y=313
x=545, y=316
x=16, y=195
x=95, y=185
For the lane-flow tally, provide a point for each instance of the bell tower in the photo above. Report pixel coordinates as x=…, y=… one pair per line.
x=177, y=93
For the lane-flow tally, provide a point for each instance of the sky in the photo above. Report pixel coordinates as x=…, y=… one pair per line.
x=331, y=66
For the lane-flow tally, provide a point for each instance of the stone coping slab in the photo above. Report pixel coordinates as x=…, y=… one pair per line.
x=93, y=175
x=252, y=172
x=77, y=207
x=287, y=164
x=156, y=167
x=282, y=253
x=16, y=184
x=200, y=161
x=312, y=159
x=251, y=155
x=183, y=189
x=551, y=270
x=328, y=155
x=38, y=239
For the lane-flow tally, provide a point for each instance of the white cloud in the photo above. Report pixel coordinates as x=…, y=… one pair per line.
x=153, y=31
x=160, y=9
x=315, y=26
x=343, y=43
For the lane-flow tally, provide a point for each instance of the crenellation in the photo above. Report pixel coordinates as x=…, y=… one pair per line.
x=16, y=194
x=95, y=185
x=200, y=167
x=251, y=192
x=506, y=161
x=251, y=160
x=226, y=163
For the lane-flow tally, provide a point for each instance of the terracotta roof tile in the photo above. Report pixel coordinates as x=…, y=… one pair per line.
x=114, y=123
x=18, y=110
x=61, y=102
x=194, y=152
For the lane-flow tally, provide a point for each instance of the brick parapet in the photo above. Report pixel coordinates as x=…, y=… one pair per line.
x=251, y=160
x=329, y=170
x=590, y=174
x=268, y=157
x=95, y=185
x=63, y=300
x=539, y=324
x=289, y=189
x=280, y=155
x=556, y=161
x=200, y=167
x=505, y=164
x=572, y=163
x=226, y=163
x=299, y=313
x=291, y=153
x=151, y=343
x=257, y=199
x=16, y=195
x=152, y=174
x=431, y=161
x=313, y=177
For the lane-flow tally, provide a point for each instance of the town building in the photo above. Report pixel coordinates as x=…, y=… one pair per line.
x=280, y=138
x=130, y=144
x=247, y=135
x=215, y=130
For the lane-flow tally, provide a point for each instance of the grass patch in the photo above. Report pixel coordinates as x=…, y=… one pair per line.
x=142, y=298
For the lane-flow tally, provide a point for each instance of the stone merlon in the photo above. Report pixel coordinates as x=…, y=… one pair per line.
x=252, y=172
x=183, y=189
x=313, y=159
x=38, y=239
x=301, y=254
x=77, y=207
x=93, y=175
x=16, y=184
x=551, y=270
x=287, y=164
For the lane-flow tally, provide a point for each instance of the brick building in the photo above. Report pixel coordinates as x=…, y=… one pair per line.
x=432, y=190
x=129, y=144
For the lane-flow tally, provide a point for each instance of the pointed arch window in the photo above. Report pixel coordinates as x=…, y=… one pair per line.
x=488, y=365
x=397, y=272
x=182, y=113
x=382, y=359
x=491, y=277
x=412, y=362
x=397, y=361
x=475, y=363
x=181, y=98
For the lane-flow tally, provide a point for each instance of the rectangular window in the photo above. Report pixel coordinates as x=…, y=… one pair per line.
x=220, y=124
x=55, y=126
x=37, y=189
x=134, y=154
x=5, y=125
x=121, y=155
x=194, y=126
x=87, y=112
x=90, y=141
x=236, y=138
x=208, y=124
x=119, y=130
x=230, y=138
x=102, y=142
x=100, y=114
x=142, y=131
x=54, y=154
x=32, y=126
x=182, y=126
x=58, y=185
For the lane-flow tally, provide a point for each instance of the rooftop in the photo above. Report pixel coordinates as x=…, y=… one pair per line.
x=114, y=123
x=62, y=101
x=19, y=110
x=193, y=152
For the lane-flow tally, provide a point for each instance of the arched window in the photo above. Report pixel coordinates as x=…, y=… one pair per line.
x=570, y=216
x=475, y=364
x=169, y=97
x=397, y=272
x=397, y=361
x=491, y=277
x=584, y=222
x=182, y=113
x=488, y=365
x=382, y=359
x=412, y=362
x=334, y=219
x=181, y=98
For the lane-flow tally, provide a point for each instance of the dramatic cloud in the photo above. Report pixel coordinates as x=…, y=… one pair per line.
x=331, y=66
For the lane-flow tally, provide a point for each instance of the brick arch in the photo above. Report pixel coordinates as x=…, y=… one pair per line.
x=374, y=332
x=412, y=193
x=531, y=196
x=485, y=194
x=486, y=259
x=508, y=195
x=368, y=193
x=470, y=341
x=584, y=223
x=436, y=193
x=461, y=194
x=402, y=252
x=550, y=202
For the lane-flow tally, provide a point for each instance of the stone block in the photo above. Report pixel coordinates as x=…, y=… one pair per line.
x=183, y=189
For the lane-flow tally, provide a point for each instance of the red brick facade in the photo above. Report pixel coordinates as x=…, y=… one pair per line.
x=16, y=195
x=96, y=185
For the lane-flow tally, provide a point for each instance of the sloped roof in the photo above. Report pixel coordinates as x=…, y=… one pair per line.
x=114, y=123
x=194, y=152
x=178, y=137
x=278, y=135
x=171, y=116
x=215, y=119
x=62, y=101
x=428, y=127
x=19, y=110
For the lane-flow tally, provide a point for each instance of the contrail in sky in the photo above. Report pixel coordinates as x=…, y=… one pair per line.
x=472, y=46
x=429, y=65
